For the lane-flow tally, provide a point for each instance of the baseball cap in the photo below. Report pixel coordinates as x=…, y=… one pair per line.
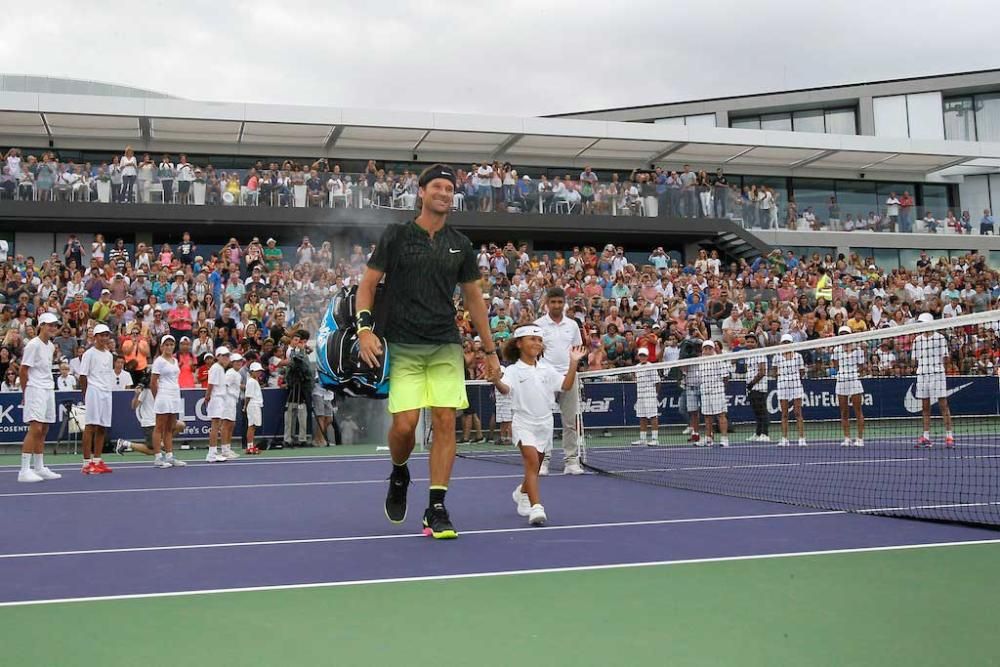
x=708, y=343
x=101, y=329
x=221, y=350
x=844, y=330
x=925, y=317
x=642, y=351
x=235, y=356
x=787, y=338
x=48, y=318
x=255, y=366
x=185, y=338
x=105, y=291
x=529, y=330
x=167, y=337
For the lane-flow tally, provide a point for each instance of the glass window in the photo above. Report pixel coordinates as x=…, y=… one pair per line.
x=923, y=114
x=813, y=193
x=890, y=116
x=857, y=198
x=994, y=258
x=750, y=123
x=908, y=258
x=884, y=190
x=935, y=199
x=988, y=117
x=808, y=121
x=701, y=120
x=959, y=119
x=776, y=121
x=841, y=121
x=886, y=259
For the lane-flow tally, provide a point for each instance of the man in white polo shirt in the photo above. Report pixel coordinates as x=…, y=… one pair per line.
x=97, y=381
x=39, y=401
x=560, y=334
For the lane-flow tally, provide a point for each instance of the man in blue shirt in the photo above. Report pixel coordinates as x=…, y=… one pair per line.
x=986, y=225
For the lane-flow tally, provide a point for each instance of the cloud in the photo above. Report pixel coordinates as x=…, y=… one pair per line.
x=516, y=57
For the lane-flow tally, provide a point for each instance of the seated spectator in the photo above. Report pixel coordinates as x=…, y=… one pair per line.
x=987, y=225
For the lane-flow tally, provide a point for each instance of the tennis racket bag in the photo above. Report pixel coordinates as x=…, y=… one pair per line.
x=337, y=350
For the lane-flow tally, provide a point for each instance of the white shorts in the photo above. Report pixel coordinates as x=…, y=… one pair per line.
x=231, y=409
x=322, y=407
x=216, y=407
x=692, y=398
x=98, y=405
x=166, y=404
x=39, y=405
x=254, y=415
x=647, y=407
x=538, y=436
x=849, y=388
x=713, y=403
x=932, y=386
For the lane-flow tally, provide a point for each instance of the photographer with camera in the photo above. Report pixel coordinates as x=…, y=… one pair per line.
x=299, y=374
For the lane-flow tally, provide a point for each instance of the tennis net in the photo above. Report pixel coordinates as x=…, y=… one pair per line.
x=715, y=424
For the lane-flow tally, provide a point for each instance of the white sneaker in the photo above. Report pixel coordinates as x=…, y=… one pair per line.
x=573, y=469
x=216, y=457
x=522, y=502
x=687, y=431
x=537, y=516
x=47, y=474
x=802, y=442
x=638, y=443
x=859, y=442
x=783, y=442
x=174, y=462
x=122, y=446
x=764, y=438
x=724, y=442
x=160, y=462
x=708, y=442
x=229, y=454
x=653, y=443
x=544, y=470
x=846, y=443
x=753, y=438
x=29, y=476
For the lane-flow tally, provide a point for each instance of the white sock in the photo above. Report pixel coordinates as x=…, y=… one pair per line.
x=39, y=461
x=25, y=461
x=213, y=450
x=170, y=455
x=642, y=436
x=97, y=459
x=656, y=434
x=227, y=448
x=927, y=434
x=948, y=434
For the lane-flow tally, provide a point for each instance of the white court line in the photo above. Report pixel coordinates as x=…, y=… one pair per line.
x=147, y=462
x=263, y=485
x=508, y=573
x=399, y=536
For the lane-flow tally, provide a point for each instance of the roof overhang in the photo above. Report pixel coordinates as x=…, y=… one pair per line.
x=85, y=122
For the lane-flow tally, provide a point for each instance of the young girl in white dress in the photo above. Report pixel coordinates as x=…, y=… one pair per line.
x=850, y=361
x=532, y=384
x=790, y=366
x=167, y=403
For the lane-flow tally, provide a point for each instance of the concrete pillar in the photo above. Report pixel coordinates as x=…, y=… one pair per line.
x=722, y=118
x=866, y=116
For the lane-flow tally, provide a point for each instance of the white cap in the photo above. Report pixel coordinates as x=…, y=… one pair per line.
x=255, y=366
x=167, y=337
x=101, y=329
x=185, y=338
x=235, y=356
x=787, y=338
x=708, y=343
x=844, y=330
x=105, y=291
x=528, y=330
x=643, y=350
x=48, y=318
x=221, y=350
x=925, y=317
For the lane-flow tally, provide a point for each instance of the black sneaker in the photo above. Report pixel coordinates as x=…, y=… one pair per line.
x=395, y=500
x=437, y=524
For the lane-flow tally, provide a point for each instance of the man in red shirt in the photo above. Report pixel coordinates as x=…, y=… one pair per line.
x=648, y=340
x=905, y=213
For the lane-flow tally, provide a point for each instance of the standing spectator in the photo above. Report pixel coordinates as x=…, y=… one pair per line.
x=73, y=251
x=720, y=198
x=166, y=173
x=905, y=211
x=118, y=257
x=186, y=250
x=273, y=256
x=689, y=193
x=130, y=172
x=892, y=211
x=185, y=176
x=298, y=381
x=305, y=252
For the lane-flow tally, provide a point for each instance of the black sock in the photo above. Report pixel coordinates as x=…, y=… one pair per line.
x=437, y=495
x=401, y=471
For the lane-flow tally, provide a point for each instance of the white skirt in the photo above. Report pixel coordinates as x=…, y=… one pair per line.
x=849, y=388
x=166, y=404
x=537, y=435
x=713, y=403
x=39, y=405
x=98, y=405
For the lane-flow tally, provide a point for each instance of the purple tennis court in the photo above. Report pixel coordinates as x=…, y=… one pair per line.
x=283, y=522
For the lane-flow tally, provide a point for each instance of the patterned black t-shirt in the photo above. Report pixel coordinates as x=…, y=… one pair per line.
x=420, y=278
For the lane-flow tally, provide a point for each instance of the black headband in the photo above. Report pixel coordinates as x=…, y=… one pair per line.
x=438, y=171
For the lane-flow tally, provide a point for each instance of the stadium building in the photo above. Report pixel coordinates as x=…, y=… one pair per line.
x=834, y=151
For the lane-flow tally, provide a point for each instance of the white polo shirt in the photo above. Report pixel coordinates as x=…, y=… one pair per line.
x=559, y=337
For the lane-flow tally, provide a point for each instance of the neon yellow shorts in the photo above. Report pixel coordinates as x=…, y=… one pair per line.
x=426, y=376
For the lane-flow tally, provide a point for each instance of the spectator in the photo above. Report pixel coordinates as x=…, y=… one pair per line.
x=987, y=225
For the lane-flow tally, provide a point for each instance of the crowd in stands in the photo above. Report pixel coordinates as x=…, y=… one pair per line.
x=253, y=297
x=483, y=187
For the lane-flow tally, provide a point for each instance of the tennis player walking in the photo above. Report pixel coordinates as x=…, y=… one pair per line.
x=422, y=261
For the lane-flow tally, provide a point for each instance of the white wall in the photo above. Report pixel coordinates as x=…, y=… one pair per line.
x=974, y=195
x=37, y=245
x=925, y=114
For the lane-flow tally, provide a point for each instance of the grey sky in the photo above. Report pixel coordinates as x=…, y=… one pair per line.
x=523, y=57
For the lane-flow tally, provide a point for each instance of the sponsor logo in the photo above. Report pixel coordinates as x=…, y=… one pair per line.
x=914, y=405
x=453, y=251
x=600, y=405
